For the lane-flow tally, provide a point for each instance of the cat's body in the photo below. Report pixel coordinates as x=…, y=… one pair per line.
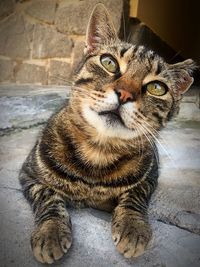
x=85, y=172
x=99, y=150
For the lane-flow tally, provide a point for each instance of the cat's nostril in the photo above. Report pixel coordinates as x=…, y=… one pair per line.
x=129, y=99
x=124, y=96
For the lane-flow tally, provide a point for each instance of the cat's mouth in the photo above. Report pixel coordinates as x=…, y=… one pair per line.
x=112, y=115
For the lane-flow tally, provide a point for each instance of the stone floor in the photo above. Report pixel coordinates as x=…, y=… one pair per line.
x=174, y=210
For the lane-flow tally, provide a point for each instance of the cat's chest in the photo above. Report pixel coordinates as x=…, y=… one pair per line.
x=96, y=156
x=83, y=192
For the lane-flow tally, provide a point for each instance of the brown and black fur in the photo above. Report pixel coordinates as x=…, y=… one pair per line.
x=78, y=161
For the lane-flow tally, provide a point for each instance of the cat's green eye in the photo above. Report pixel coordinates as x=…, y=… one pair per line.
x=109, y=63
x=156, y=88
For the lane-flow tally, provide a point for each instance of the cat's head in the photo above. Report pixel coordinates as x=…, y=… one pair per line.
x=123, y=90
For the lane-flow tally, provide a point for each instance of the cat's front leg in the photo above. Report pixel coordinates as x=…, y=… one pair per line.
x=52, y=236
x=131, y=231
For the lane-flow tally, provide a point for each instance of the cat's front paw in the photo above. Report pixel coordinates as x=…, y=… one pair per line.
x=131, y=237
x=50, y=240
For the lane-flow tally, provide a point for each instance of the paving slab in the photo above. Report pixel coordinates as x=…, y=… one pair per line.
x=174, y=210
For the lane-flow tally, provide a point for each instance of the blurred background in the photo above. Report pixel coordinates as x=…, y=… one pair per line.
x=41, y=41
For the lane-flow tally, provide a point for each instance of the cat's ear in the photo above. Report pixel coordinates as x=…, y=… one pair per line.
x=100, y=29
x=183, y=74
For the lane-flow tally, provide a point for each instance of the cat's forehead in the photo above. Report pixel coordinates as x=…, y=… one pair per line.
x=137, y=58
x=133, y=52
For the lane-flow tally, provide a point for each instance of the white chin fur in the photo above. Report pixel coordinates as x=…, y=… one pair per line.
x=99, y=123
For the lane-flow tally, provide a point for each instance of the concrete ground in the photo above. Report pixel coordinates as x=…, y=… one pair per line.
x=174, y=210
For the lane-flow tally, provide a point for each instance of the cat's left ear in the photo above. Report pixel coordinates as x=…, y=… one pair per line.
x=182, y=74
x=100, y=29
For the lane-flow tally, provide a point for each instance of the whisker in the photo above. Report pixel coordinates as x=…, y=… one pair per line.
x=159, y=143
x=129, y=37
x=50, y=100
x=124, y=26
x=83, y=92
x=145, y=129
x=70, y=83
x=145, y=121
x=153, y=129
x=139, y=138
x=152, y=144
x=62, y=79
x=142, y=144
x=173, y=57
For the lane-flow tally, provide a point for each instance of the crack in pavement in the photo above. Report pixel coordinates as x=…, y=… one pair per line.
x=168, y=222
x=11, y=188
x=13, y=129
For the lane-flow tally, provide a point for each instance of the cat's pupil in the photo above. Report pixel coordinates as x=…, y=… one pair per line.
x=156, y=88
x=109, y=63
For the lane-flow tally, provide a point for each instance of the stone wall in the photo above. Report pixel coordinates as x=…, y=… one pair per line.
x=41, y=41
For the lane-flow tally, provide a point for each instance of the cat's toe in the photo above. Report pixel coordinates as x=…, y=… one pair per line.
x=131, y=239
x=50, y=240
x=135, y=247
x=66, y=241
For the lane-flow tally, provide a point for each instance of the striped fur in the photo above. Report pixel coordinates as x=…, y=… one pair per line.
x=99, y=149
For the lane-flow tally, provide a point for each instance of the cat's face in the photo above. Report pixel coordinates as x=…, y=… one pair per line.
x=125, y=90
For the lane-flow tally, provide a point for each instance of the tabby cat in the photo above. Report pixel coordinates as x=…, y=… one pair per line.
x=99, y=150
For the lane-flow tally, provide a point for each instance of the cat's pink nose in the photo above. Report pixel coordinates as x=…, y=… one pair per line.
x=124, y=96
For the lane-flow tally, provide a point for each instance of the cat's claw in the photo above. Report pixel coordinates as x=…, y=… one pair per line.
x=131, y=238
x=50, y=240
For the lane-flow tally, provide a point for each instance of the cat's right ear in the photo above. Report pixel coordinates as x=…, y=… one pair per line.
x=100, y=29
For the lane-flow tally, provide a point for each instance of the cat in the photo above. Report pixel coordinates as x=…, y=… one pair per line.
x=99, y=149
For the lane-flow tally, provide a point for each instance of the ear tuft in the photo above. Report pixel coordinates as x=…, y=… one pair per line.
x=185, y=82
x=182, y=73
x=100, y=28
